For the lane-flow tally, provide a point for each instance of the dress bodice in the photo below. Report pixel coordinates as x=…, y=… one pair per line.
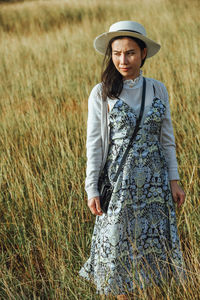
x=122, y=121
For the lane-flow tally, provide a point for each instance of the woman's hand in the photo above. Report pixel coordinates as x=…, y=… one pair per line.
x=177, y=193
x=94, y=205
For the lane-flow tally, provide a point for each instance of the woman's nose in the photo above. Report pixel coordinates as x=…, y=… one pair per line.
x=123, y=60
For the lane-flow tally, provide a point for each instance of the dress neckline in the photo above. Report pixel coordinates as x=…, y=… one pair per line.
x=145, y=117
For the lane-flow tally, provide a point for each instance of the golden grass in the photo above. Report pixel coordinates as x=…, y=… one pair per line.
x=47, y=69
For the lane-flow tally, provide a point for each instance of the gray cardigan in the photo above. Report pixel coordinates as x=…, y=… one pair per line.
x=98, y=136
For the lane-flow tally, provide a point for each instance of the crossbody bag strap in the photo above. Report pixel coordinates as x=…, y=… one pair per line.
x=137, y=127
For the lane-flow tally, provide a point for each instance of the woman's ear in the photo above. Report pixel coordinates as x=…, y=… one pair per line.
x=144, y=53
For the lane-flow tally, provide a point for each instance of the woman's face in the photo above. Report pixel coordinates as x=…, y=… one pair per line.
x=127, y=57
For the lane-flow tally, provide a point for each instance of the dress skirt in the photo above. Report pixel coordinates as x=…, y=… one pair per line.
x=135, y=244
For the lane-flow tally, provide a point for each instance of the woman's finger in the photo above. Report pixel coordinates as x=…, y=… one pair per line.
x=175, y=198
x=92, y=203
x=181, y=199
x=98, y=207
x=93, y=210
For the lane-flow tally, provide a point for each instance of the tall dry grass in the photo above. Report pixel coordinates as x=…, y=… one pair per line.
x=47, y=69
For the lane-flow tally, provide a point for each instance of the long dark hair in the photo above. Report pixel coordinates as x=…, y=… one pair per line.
x=112, y=80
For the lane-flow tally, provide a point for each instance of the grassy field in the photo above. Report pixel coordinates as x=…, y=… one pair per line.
x=47, y=70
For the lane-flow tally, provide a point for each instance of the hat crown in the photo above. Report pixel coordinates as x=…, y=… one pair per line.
x=125, y=28
x=128, y=26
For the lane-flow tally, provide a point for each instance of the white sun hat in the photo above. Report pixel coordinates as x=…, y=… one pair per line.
x=125, y=28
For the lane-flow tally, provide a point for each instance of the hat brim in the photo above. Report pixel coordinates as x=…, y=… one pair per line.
x=101, y=41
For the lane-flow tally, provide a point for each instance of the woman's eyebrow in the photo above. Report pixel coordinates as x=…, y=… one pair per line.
x=118, y=51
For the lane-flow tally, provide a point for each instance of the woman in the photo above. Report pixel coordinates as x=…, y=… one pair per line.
x=135, y=244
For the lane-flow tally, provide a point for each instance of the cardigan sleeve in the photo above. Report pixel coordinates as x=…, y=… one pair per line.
x=93, y=143
x=168, y=141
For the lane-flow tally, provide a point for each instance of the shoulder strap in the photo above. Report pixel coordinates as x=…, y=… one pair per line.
x=154, y=90
x=137, y=127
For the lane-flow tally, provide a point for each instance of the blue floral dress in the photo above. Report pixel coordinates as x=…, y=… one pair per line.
x=136, y=243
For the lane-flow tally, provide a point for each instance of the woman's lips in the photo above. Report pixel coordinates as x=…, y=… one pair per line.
x=124, y=69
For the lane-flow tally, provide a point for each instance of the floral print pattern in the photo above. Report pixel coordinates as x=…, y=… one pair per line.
x=136, y=242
